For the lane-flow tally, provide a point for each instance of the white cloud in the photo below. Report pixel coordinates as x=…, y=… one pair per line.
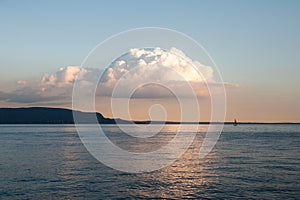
x=171, y=68
x=158, y=64
x=21, y=82
x=51, y=87
x=64, y=77
x=132, y=71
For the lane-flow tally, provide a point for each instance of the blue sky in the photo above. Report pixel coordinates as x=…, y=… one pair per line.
x=255, y=34
x=254, y=43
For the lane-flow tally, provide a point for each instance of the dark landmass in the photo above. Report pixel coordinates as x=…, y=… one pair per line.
x=40, y=115
x=44, y=115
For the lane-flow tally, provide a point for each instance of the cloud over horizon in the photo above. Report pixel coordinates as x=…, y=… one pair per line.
x=150, y=73
x=50, y=87
x=147, y=72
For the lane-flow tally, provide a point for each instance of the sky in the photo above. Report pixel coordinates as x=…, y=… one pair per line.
x=255, y=45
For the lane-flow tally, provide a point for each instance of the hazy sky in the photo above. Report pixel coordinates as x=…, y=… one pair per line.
x=254, y=43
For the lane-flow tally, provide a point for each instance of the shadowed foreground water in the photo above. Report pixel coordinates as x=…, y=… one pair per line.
x=249, y=161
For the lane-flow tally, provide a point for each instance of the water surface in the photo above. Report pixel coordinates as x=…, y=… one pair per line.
x=249, y=161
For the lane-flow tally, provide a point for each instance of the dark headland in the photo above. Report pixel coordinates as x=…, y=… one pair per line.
x=44, y=115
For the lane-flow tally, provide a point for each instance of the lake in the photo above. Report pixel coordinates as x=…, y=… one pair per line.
x=248, y=161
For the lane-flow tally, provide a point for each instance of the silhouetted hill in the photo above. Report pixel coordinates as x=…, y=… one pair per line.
x=43, y=115
x=40, y=115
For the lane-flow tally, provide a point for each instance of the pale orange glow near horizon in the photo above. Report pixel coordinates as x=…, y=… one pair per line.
x=245, y=106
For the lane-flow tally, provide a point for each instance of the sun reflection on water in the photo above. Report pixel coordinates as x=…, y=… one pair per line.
x=186, y=177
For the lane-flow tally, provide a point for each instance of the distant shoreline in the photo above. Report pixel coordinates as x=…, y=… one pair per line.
x=45, y=115
x=168, y=123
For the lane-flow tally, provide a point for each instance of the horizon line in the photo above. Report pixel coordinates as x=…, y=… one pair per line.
x=166, y=122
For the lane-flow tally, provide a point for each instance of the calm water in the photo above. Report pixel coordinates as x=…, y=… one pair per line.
x=249, y=161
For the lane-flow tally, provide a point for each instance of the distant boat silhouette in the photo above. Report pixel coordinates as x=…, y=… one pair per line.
x=235, y=123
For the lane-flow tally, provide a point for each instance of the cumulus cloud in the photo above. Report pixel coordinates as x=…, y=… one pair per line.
x=50, y=87
x=64, y=77
x=21, y=82
x=168, y=71
x=147, y=73
x=158, y=65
